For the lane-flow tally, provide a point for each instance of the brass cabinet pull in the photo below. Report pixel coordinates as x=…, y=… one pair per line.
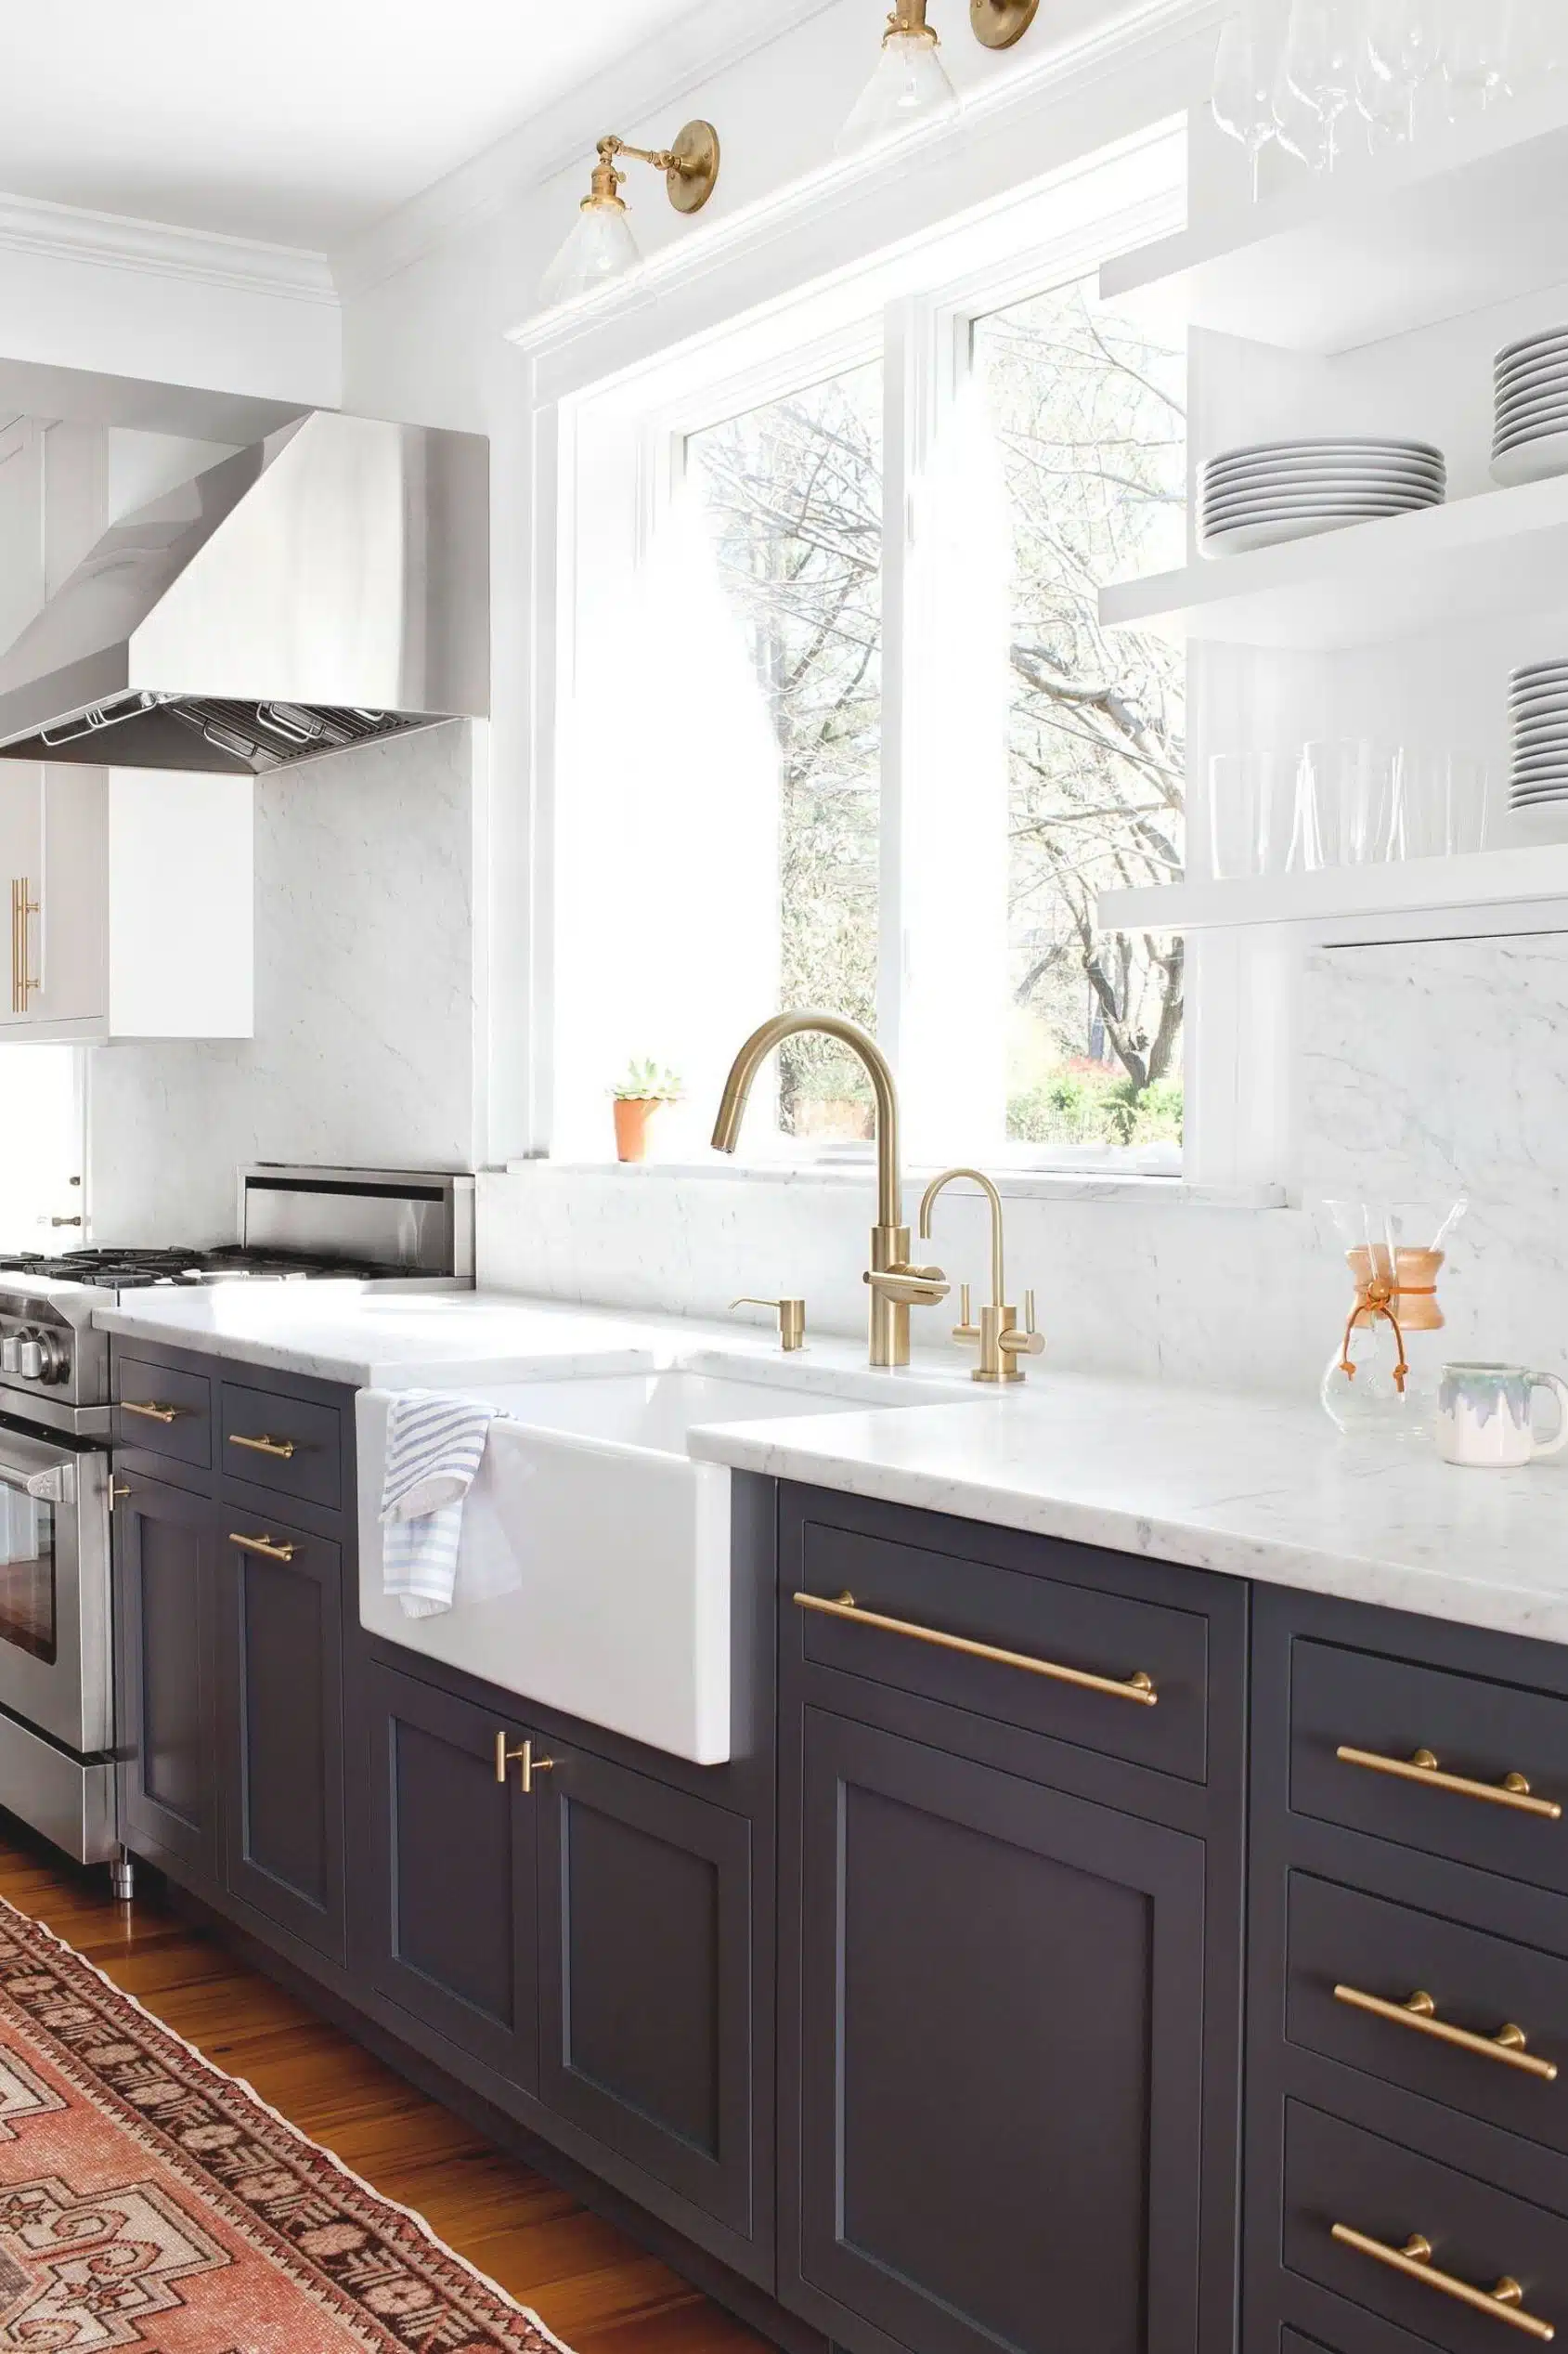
x=282, y=1447
x=265, y=1546
x=150, y=1413
x=24, y=905
x=523, y=1759
x=1509, y=2046
x=1512, y=1791
x=1137, y=1688
x=1505, y=2303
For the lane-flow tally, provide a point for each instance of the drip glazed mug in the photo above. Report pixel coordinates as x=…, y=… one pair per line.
x=1483, y=1416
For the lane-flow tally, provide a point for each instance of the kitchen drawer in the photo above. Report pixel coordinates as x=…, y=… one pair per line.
x=1482, y=1733
x=1342, y=1937
x=1293, y=2342
x=291, y=1445
x=160, y=1411
x=1036, y=1620
x=1339, y=2174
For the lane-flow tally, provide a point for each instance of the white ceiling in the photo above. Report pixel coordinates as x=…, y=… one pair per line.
x=300, y=122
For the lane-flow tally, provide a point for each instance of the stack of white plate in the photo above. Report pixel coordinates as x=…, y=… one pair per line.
x=1290, y=489
x=1530, y=381
x=1538, y=715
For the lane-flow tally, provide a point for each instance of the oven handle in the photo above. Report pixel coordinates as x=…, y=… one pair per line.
x=55, y=1485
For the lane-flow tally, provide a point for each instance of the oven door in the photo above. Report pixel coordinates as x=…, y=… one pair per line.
x=55, y=1654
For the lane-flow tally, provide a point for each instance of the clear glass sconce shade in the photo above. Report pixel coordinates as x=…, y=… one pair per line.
x=601, y=247
x=909, y=87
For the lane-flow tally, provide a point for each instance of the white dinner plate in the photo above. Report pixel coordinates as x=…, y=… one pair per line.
x=1523, y=414
x=1529, y=370
x=1342, y=469
x=1374, y=445
x=1216, y=518
x=1545, y=338
x=1237, y=539
x=1543, y=385
x=1531, y=461
x=1532, y=743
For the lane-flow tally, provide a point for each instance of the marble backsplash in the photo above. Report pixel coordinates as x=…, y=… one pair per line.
x=1430, y=1069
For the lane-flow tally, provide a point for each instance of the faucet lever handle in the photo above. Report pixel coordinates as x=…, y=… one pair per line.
x=965, y=1329
x=1029, y=1343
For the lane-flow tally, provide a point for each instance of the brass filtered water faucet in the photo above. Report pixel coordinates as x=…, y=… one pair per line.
x=997, y=1336
x=896, y=1286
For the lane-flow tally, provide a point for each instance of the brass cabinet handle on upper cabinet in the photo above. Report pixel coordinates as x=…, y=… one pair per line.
x=268, y=1550
x=282, y=1447
x=523, y=1759
x=24, y=905
x=151, y=1414
x=1512, y=1791
x=1137, y=1688
x=1419, y=2011
x=1505, y=2302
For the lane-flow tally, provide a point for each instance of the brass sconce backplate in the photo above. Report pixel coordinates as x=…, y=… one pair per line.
x=998, y=23
x=693, y=167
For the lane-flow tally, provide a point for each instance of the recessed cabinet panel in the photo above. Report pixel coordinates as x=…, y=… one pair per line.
x=645, y=1992
x=292, y=1446
x=282, y=1656
x=1002, y=2033
x=165, y=1573
x=452, y=1873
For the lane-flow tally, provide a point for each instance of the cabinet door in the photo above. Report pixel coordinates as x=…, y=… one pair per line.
x=645, y=1969
x=165, y=1575
x=22, y=884
x=453, y=1933
x=280, y=1650
x=1000, y=2037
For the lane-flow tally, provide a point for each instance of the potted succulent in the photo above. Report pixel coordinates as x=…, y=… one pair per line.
x=636, y=1097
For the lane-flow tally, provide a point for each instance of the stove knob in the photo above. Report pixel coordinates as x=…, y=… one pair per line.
x=30, y=1359
x=10, y=1353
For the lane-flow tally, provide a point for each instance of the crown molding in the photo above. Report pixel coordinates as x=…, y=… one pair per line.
x=1007, y=123
x=115, y=240
x=660, y=71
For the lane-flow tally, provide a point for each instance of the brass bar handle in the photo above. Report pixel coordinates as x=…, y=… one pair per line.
x=283, y=1449
x=1137, y=1688
x=150, y=1413
x=1509, y=2046
x=268, y=1550
x=24, y=905
x=1505, y=2303
x=1512, y=1791
x=523, y=1759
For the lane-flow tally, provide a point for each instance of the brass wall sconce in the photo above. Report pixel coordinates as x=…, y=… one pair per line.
x=910, y=86
x=601, y=245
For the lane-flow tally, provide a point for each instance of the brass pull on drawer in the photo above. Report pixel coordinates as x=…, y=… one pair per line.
x=1512, y=1791
x=1137, y=1687
x=282, y=1449
x=268, y=1550
x=1509, y=2047
x=150, y=1413
x=523, y=1759
x=1505, y=2303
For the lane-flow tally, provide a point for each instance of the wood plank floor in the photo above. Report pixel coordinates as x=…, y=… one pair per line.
x=591, y=2285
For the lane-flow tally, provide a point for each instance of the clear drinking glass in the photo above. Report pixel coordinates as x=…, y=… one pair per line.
x=1245, y=65
x=1318, y=60
x=1349, y=785
x=1403, y=46
x=1477, y=52
x=1252, y=813
x=1442, y=804
x=1304, y=853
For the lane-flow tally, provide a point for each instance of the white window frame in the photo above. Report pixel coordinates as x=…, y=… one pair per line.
x=914, y=306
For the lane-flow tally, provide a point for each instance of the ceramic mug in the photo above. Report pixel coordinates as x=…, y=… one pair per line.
x=1483, y=1416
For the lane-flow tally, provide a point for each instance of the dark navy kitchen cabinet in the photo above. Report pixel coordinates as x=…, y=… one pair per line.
x=165, y=1580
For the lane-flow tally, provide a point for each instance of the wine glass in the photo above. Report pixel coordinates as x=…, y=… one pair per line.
x=1243, y=102
x=1298, y=126
x=1477, y=52
x=1402, y=45
x=1319, y=60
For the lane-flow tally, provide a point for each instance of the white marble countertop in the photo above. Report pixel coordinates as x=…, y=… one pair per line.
x=1247, y=1487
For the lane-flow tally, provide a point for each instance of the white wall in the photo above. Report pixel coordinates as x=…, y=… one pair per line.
x=364, y=1052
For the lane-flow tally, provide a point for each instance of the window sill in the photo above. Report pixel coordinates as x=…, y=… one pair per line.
x=1014, y=1185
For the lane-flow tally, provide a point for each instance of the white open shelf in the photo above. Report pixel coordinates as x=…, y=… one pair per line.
x=1501, y=552
x=1402, y=887
x=1458, y=222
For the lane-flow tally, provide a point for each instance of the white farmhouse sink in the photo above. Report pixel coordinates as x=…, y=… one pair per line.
x=594, y=1574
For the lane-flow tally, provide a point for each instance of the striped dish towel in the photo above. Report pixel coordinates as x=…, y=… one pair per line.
x=434, y=1445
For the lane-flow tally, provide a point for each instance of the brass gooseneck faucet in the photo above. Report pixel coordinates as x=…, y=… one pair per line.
x=896, y=1286
x=999, y=1340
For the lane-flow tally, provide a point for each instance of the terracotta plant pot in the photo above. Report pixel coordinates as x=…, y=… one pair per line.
x=633, y=1114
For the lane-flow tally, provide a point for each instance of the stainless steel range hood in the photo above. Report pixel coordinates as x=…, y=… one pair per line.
x=327, y=587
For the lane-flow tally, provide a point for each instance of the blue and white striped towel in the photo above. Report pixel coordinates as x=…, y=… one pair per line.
x=434, y=1445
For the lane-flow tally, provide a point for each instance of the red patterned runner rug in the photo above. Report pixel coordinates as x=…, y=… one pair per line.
x=148, y=2200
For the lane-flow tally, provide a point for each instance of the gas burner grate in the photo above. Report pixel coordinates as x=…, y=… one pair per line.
x=128, y=1271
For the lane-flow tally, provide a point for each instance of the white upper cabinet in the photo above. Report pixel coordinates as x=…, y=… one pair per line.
x=128, y=892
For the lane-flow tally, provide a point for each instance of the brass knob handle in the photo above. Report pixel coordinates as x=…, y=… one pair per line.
x=150, y=1413
x=283, y=1449
x=1512, y=1791
x=523, y=1759
x=1504, y=2302
x=265, y=1546
x=1509, y=2046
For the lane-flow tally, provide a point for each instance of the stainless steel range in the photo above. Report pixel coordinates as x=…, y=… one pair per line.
x=358, y=1228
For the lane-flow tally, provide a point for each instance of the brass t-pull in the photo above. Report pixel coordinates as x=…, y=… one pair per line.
x=791, y=1316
